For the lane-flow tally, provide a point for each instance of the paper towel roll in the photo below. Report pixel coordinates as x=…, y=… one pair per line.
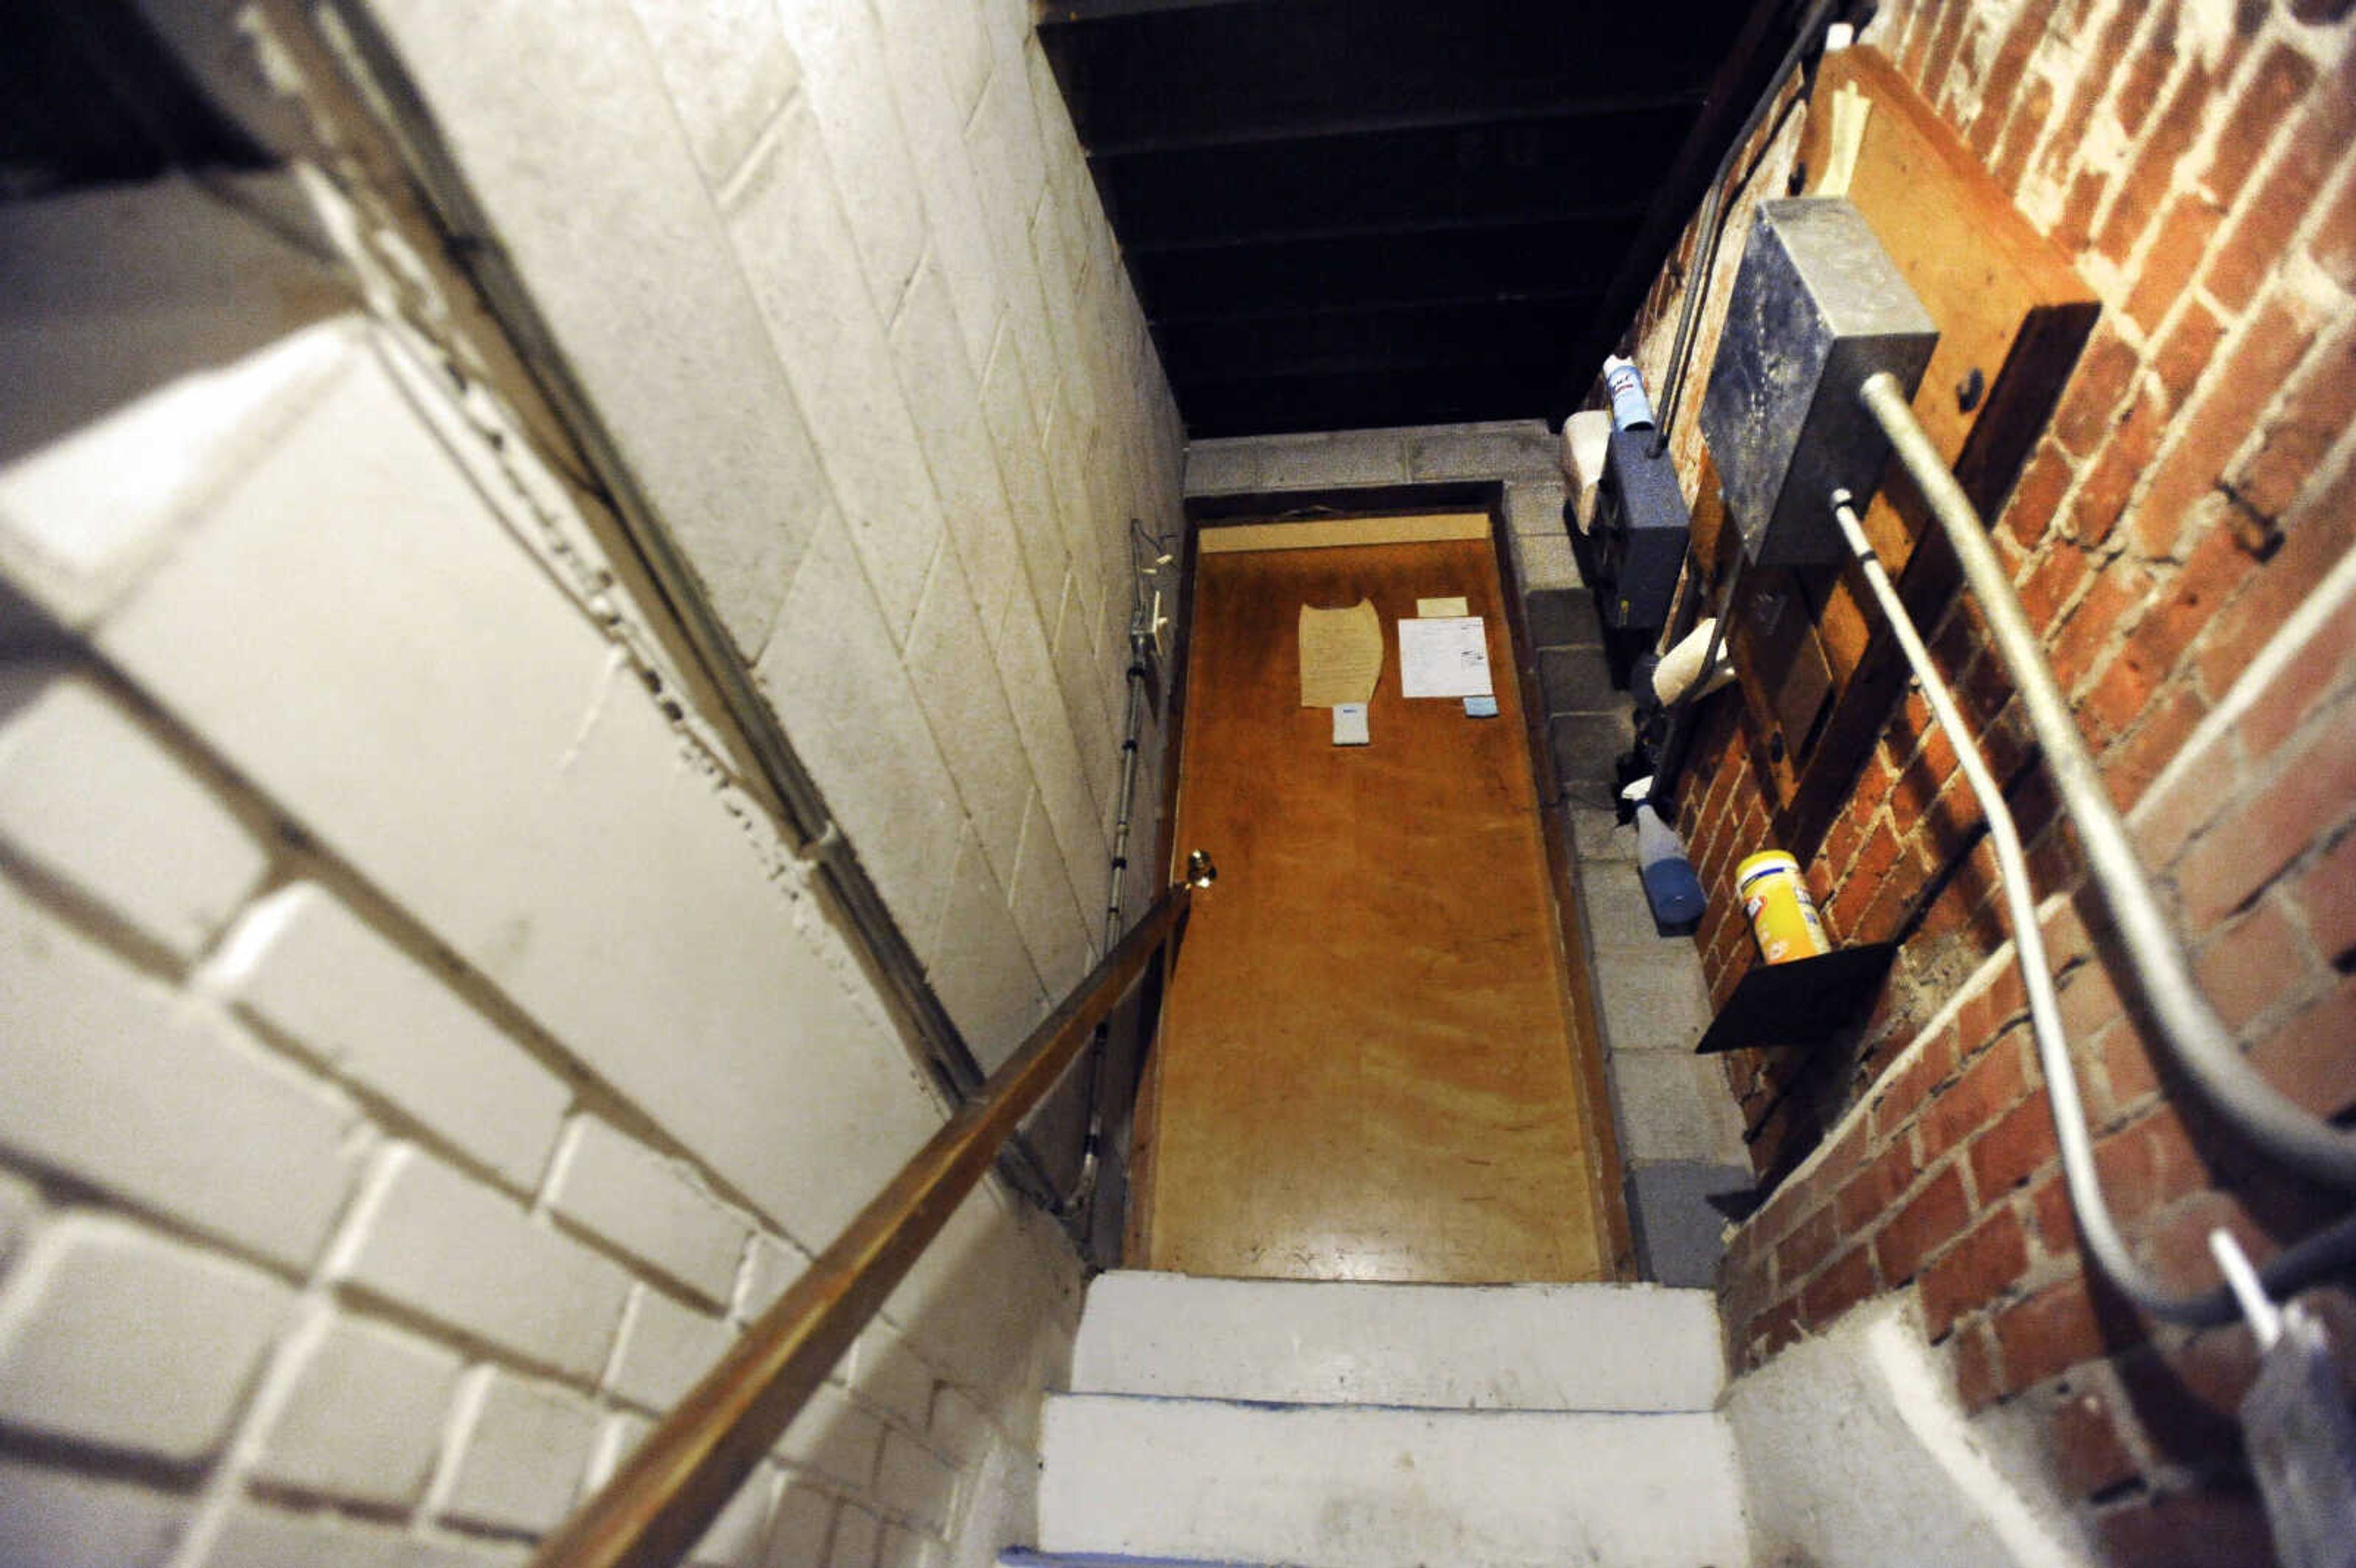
x=1681, y=664
x=1586, y=441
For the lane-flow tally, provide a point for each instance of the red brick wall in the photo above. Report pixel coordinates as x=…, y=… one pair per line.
x=2195, y=488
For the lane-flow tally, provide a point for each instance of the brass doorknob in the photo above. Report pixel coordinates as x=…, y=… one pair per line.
x=1200, y=872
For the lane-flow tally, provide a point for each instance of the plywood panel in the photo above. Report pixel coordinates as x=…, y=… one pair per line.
x=1326, y=533
x=1364, y=1070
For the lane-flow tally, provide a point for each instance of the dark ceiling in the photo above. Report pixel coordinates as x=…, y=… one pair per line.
x=1350, y=213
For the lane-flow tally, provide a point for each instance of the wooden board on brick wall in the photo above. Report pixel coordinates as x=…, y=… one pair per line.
x=2009, y=306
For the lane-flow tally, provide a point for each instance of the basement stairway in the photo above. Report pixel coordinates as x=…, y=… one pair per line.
x=1352, y=1425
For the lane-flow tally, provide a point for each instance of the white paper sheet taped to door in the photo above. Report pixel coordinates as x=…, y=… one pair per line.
x=1444, y=657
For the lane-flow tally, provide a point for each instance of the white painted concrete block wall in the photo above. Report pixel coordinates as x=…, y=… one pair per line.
x=422, y=1056
x=835, y=276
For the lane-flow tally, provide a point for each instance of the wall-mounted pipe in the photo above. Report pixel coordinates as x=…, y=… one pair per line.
x=2195, y=1034
x=2328, y=1251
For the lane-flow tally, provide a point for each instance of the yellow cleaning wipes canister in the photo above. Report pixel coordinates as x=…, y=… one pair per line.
x=1783, y=914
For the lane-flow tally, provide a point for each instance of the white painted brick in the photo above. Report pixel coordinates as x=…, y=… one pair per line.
x=935, y=121
x=943, y=393
x=849, y=90
x=800, y=1528
x=952, y=34
x=906, y=1548
x=624, y=1192
x=885, y=1372
x=111, y=1079
x=92, y=796
x=856, y=1536
x=142, y=303
x=559, y=122
x=999, y=1509
x=507, y=711
x=913, y=1479
x=1500, y=450
x=465, y=1255
x=1045, y=912
x=257, y=1537
x=728, y=70
x=62, y=1519
x=742, y=1527
x=1094, y=731
x=114, y=1337
x=834, y=1439
x=787, y=227
x=1023, y=464
x=525, y=1456
x=364, y=1420
x=1535, y=507
x=992, y=1306
x=833, y=671
x=958, y=1430
x=1010, y=182
x=666, y=1350
x=958, y=686
x=1545, y=561
x=980, y=966
x=305, y=964
x=20, y=1209
x=1045, y=724
x=770, y=1267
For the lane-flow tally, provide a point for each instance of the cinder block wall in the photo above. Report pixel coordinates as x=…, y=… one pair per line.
x=2182, y=535
x=426, y=1051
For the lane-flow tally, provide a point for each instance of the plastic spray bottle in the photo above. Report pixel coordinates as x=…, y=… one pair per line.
x=1670, y=886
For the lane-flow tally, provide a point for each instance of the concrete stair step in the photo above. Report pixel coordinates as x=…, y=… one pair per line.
x=1337, y=1487
x=1515, y=1347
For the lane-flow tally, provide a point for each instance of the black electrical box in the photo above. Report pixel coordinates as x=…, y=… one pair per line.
x=1640, y=534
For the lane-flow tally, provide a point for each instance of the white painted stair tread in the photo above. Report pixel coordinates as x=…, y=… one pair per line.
x=1327, y=1487
x=1513, y=1347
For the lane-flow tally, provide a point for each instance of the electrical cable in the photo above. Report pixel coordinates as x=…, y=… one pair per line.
x=2328, y=1251
x=2196, y=1035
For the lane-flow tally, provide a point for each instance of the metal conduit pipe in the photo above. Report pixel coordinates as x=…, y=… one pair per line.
x=1068, y=1205
x=2196, y=1035
x=2326, y=1253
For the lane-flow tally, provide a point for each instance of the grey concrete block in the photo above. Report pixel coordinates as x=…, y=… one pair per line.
x=789, y=229
x=1617, y=915
x=1578, y=680
x=1506, y=449
x=849, y=86
x=1535, y=506
x=1680, y=1212
x=1320, y=462
x=918, y=50
x=1598, y=834
x=1675, y=1107
x=565, y=132
x=728, y=71
x=1586, y=745
x=1023, y=465
x=1653, y=1000
x=942, y=394
x=1222, y=467
x=1562, y=618
x=957, y=684
x=1544, y=560
x=983, y=975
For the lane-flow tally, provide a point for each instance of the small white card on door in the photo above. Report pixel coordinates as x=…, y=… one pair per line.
x=1350, y=724
x=1444, y=657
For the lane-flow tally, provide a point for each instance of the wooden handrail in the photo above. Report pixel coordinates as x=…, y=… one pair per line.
x=665, y=1494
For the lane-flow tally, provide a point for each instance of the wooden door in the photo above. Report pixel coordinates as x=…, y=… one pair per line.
x=1365, y=1067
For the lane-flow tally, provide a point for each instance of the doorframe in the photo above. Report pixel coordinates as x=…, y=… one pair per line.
x=1580, y=1019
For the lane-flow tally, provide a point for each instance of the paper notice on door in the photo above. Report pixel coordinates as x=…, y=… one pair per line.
x=1444, y=657
x=1340, y=654
x=1441, y=609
